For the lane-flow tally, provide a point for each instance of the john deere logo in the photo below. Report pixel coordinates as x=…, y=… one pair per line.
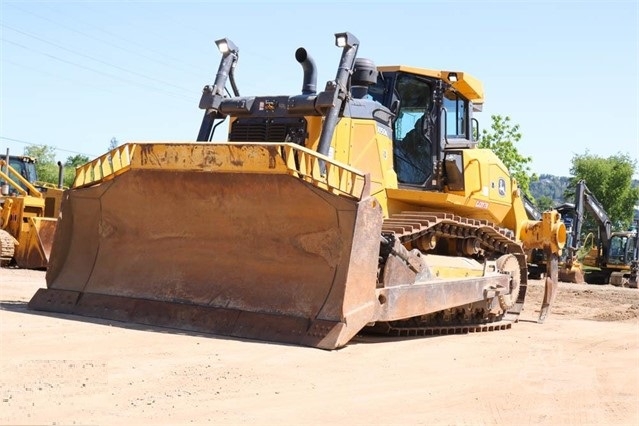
x=501, y=187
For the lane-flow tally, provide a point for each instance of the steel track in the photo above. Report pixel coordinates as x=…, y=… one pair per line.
x=409, y=226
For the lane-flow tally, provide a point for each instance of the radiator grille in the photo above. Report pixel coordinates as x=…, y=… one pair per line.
x=269, y=130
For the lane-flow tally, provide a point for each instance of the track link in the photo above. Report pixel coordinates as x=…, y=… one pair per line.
x=448, y=330
x=7, y=247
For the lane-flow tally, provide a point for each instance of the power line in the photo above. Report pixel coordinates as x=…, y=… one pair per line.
x=91, y=57
x=171, y=65
x=42, y=144
x=173, y=61
x=123, y=18
x=58, y=76
x=175, y=95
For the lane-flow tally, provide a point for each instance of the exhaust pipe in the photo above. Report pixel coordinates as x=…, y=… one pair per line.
x=60, y=174
x=309, y=86
x=4, y=188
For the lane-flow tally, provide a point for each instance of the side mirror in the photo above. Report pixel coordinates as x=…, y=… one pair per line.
x=475, y=129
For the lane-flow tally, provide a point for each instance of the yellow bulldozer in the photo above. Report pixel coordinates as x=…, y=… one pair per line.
x=28, y=213
x=364, y=207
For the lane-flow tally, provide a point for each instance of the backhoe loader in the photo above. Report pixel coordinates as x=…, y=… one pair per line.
x=364, y=207
x=28, y=213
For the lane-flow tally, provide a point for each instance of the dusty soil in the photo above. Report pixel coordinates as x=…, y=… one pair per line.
x=580, y=367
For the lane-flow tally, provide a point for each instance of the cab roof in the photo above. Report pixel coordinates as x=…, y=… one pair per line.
x=467, y=85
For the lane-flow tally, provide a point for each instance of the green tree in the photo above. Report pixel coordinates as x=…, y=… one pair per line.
x=610, y=180
x=544, y=203
x=46, y=166
x=501, y=139
x=70, y=165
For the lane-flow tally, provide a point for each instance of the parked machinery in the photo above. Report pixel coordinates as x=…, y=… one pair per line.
x=366, y=205
x=614, y=253
x=28, y=213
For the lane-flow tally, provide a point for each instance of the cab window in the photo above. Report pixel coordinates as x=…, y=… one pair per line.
x=26, y=169
x=456, y=115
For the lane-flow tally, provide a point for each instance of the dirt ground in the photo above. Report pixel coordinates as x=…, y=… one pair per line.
x=580, y=367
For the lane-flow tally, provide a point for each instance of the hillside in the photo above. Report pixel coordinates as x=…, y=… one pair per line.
x=554, y=187
x=550, y=186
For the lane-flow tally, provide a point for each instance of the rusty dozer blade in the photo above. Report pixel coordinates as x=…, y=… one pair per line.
x=243, y=240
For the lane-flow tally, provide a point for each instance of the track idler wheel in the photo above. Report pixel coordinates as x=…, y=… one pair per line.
x=508, y=264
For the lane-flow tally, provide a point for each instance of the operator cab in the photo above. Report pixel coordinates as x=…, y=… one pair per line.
x=622, y=248
x=433, y=123
x=26, y=167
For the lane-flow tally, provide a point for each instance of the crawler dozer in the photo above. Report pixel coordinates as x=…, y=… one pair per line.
x=28, y=213
x=364, y=207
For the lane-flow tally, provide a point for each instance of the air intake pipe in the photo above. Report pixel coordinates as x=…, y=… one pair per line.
x=309, y=85
x=212, y=96
x=364, y=74
x=338, y=88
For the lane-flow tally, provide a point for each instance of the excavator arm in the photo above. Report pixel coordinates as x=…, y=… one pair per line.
x=586, y=201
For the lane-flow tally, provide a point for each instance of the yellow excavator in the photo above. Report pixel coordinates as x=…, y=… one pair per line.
x=28, y=213
x=364, y=207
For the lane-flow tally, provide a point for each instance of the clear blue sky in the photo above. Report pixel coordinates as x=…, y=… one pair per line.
x=75, y=74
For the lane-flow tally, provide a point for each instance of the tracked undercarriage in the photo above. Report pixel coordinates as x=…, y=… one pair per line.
x=440, y=236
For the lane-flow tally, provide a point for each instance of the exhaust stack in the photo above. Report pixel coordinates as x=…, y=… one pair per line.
x=60, y=174
x=309, y=86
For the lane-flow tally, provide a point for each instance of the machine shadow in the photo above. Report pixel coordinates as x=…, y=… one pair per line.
x=21, y=307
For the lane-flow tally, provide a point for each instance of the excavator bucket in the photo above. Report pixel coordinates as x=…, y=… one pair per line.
x=572, y=274
x=245, y=240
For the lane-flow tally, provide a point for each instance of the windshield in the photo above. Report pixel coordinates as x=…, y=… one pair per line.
x=412, y=147
x=26, y=169
x=619, y=246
